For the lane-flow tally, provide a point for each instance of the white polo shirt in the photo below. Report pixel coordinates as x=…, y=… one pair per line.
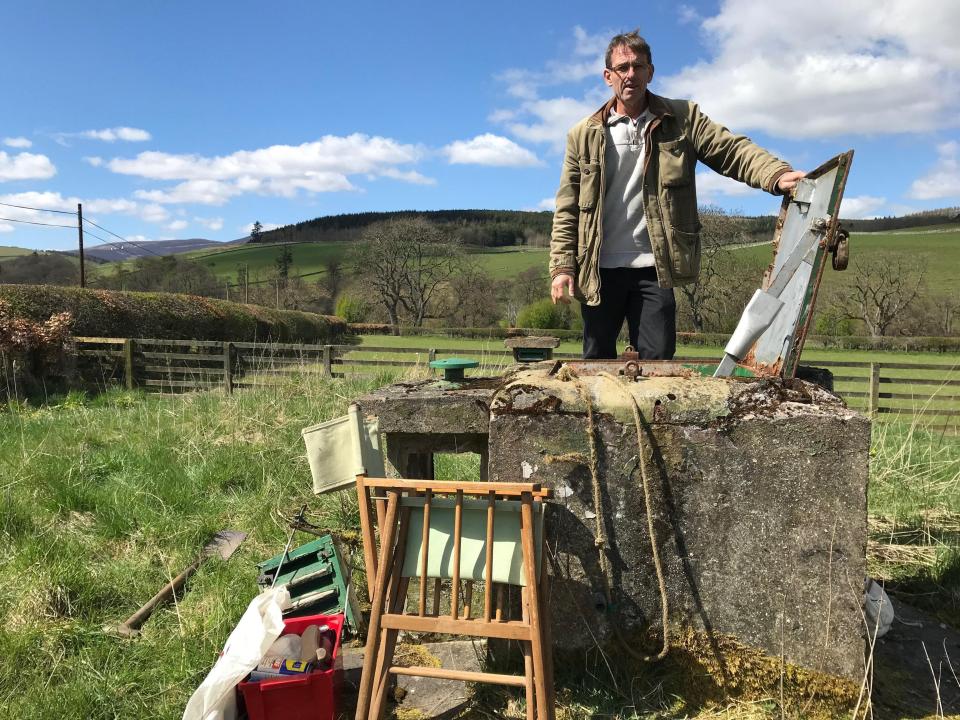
x=626, y=242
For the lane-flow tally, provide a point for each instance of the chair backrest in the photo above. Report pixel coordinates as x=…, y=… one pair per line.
x=507, y=548
x=338, y=450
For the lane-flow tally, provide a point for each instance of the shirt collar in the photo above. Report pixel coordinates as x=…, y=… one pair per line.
x=616, y=117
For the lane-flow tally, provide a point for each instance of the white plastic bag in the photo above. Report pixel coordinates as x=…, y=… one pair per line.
x=261, y=624
x=878, y=609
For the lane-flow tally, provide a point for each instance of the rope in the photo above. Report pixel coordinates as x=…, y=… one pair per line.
x=657, y=564
x=567, y=374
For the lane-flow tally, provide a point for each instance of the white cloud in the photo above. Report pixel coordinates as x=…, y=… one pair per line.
x=214, y=223
x=687, y=14
x=489, y=149
x=177, y=225
x=710, y=185
x=137, y=238
x=127, y=134
x=861, y=206
x=201, y=192
x=320, y=166
x=25, y=166
x=17, y=142
x=94, y=161
x=551, y=119
x=549, y=203
x=6, y=228
x=92, y=208
x=943, y=180
x=860, y=67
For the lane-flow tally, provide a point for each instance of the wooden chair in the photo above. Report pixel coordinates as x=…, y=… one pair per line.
x=461, y=532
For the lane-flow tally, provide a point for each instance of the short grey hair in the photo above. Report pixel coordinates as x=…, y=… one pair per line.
x=632, y=40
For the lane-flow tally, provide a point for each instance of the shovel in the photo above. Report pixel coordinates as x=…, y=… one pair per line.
x=224, y=544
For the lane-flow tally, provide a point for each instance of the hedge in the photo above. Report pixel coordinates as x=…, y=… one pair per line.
x=109, y=313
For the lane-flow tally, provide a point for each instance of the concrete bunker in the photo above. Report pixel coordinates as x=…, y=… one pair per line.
x=756, y=489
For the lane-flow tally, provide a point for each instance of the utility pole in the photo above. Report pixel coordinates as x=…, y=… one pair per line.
x=228, y=290
x=83, y=274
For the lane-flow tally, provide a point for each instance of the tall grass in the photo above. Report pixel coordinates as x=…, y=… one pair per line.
x=104, y=500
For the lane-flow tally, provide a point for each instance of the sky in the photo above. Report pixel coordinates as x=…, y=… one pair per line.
x=181, y=119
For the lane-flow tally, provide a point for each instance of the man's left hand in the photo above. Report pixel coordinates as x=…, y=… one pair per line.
x=788, y=181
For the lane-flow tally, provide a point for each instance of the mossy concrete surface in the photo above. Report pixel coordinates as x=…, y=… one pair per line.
x=758, y=505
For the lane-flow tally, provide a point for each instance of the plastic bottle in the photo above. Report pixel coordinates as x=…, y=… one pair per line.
x=310, y=643
x=286, y=646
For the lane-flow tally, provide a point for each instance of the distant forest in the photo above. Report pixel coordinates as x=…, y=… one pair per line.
x=482, y=228
x=503, y=228
x=479, y=228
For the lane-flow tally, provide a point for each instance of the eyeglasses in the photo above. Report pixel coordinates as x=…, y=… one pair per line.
x=622, y=68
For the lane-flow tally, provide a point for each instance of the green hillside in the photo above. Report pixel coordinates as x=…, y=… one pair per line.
x=8, y=251
x=938, y=248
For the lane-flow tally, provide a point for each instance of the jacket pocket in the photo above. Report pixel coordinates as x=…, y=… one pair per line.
x=674, y=166
x=589, y=185
x=685, y=253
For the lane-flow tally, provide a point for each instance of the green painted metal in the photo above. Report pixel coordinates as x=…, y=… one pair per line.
x=453, y=367
x=709, y=370
x=317, y=580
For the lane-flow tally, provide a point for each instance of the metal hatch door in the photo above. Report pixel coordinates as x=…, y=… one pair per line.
x=807, y=232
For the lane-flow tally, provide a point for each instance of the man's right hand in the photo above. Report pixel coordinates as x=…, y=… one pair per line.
x=557, y=286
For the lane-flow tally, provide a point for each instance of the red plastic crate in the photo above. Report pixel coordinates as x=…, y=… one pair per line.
x=306, y=697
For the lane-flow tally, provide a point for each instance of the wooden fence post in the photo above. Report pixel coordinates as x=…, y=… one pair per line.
x=128, y=377
x=431, y=355
x=328, y=361
x=873, y=403
x=228, y=367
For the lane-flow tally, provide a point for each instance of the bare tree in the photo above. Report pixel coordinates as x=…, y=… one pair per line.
x=884, y=286
x=706, y=298
x=405, y=262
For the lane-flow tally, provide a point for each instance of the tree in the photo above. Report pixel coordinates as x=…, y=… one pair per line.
x=256, y=232
x=40, y=269
x=706, y=298
x=283, y=261
x=473, y=299
x=405, y=262
x=884, y=286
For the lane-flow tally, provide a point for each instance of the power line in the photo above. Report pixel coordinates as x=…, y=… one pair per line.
x=27, y=207
x=123, y=239
x=31, y=222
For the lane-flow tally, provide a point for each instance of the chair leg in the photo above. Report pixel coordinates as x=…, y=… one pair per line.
x=388, y=647
x=527, y=661
x=544, y=711
x=547, y=621
x=365, y=694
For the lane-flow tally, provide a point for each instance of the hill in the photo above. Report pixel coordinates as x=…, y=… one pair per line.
x=123, y=250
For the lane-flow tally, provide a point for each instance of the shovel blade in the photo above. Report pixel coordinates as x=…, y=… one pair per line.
x=224, y=543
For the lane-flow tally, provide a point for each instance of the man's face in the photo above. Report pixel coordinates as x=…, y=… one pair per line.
x=629, y=75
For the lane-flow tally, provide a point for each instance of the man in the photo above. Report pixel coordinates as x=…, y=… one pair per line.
x=625, y=229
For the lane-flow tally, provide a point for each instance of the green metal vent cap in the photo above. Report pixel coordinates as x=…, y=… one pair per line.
x=453, y=367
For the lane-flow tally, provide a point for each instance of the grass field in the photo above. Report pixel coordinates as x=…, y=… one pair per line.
x=105, y=499
x=938, y=248
x=8, y=252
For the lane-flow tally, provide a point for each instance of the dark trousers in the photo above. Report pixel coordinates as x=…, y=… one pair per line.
x=650, y=311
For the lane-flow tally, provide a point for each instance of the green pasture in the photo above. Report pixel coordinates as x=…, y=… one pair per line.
x=938, y=250
x=8, y=252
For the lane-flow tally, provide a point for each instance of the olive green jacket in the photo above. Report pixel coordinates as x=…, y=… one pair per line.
x=677, y=136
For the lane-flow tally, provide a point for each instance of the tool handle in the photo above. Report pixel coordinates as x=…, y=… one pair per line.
x=166, y=593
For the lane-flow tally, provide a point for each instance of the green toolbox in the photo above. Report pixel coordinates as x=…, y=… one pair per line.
x=317, y=578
